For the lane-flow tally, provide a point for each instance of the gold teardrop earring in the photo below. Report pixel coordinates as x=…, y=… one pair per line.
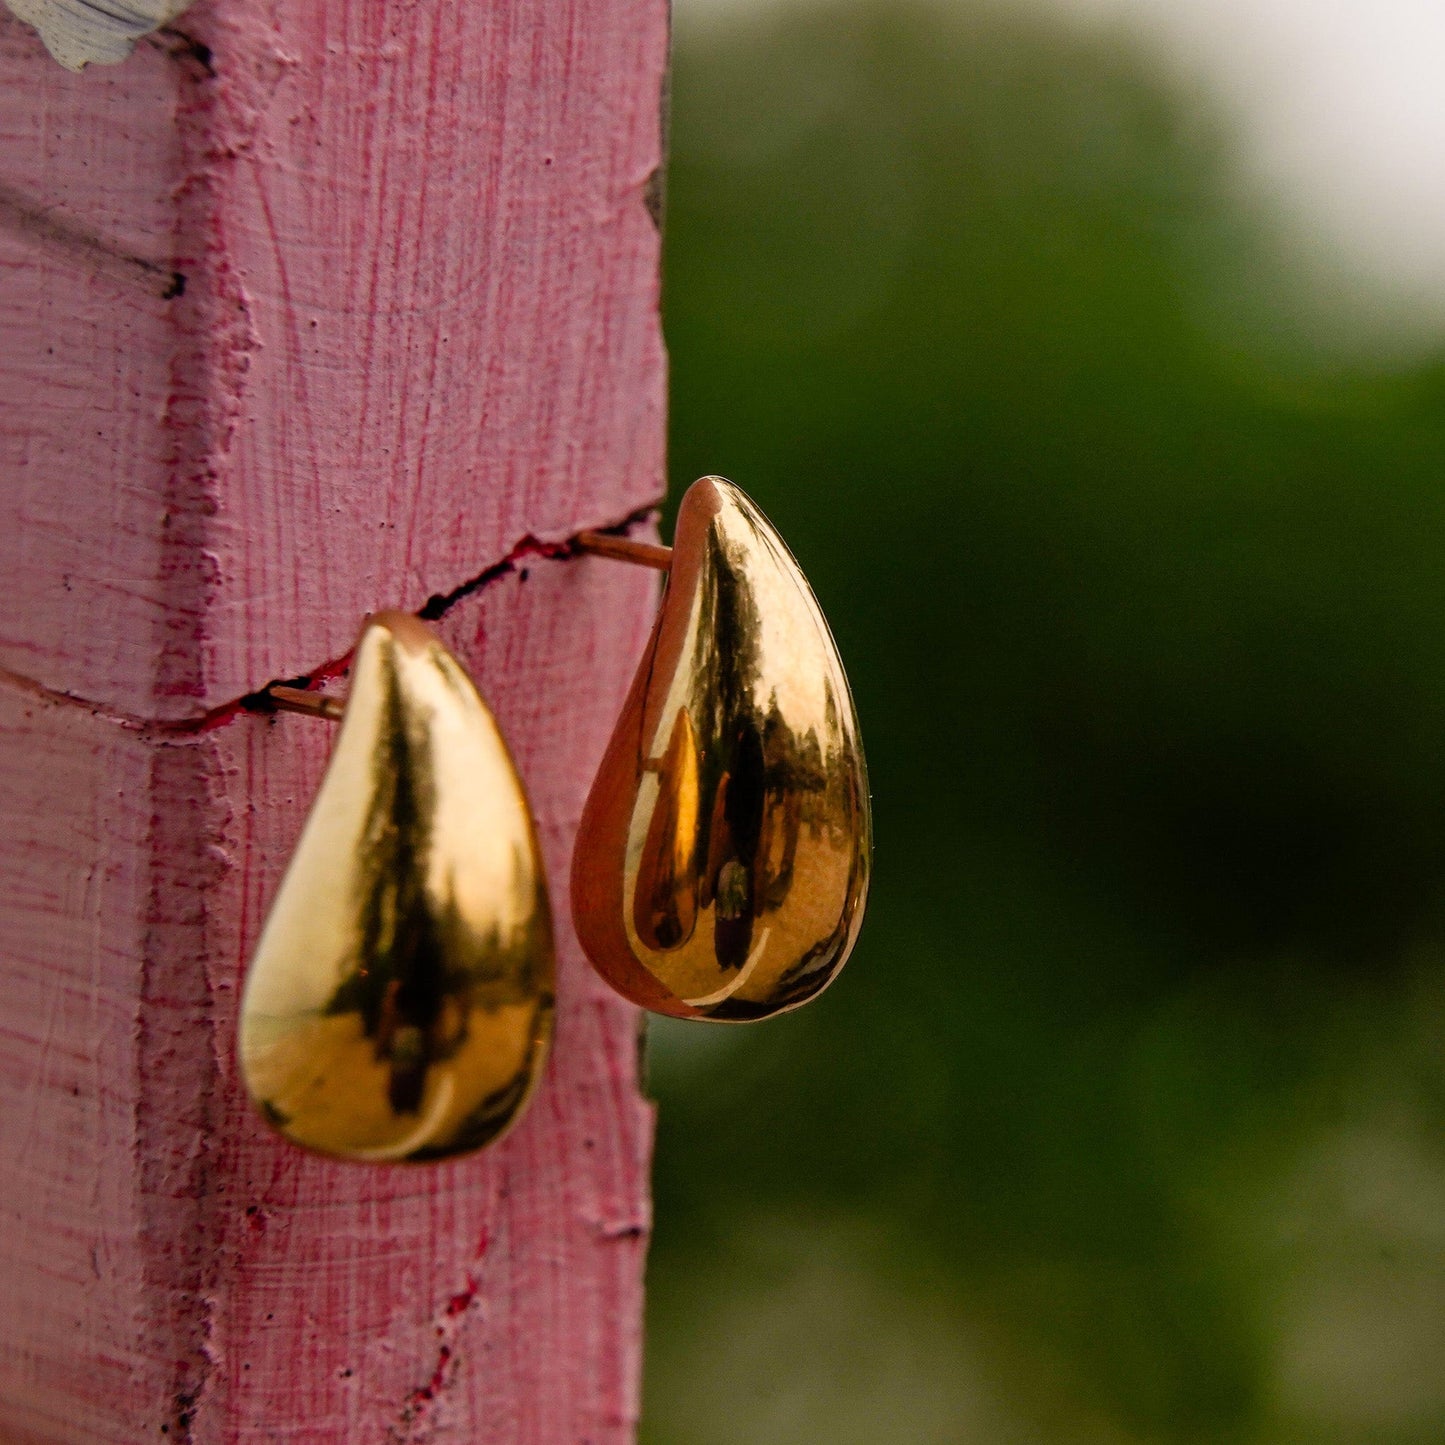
x=400, y=1001
x=721, y=867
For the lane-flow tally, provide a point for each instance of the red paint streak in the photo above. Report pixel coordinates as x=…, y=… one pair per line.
x=460, y=1302
x=428, y=1392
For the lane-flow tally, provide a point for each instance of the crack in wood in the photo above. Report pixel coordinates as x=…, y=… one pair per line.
x=436, y=607
x=171, y=40
x=26, y=216
x=439, y=604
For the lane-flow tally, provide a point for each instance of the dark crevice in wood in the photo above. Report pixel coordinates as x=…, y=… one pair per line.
x=654, y=197
x=438, y=605
x=259, y=701
x=26, y=216
x=180, y=46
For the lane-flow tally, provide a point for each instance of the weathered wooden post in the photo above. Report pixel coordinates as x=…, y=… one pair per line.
x=305, y=310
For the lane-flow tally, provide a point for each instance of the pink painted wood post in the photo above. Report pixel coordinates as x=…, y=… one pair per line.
x=323, y=308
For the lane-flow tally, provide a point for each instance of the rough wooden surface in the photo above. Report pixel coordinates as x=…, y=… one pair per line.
x=317, y=308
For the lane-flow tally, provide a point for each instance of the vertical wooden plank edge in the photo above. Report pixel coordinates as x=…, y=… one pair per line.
x=206, y=1283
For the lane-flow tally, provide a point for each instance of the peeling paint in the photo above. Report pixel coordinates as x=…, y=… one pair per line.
x=94, y=32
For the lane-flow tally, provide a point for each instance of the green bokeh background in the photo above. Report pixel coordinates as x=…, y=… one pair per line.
x=1124, y=1123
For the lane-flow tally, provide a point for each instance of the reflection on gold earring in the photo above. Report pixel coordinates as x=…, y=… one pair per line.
x=400, y=1001
x=721, y=867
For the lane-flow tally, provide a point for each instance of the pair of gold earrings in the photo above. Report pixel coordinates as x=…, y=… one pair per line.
x=400, y=1001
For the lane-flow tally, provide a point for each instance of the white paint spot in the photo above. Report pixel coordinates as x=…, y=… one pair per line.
x=94, y=32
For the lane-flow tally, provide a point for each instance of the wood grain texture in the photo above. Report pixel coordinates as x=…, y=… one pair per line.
x=417, y=322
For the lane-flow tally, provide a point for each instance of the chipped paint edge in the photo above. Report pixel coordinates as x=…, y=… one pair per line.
x=80, y=32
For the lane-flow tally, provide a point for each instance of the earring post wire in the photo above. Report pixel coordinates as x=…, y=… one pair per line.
x=624, y=549
x=308, y=704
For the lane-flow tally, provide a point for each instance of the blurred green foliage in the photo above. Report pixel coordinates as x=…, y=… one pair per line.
x=1123, y=1124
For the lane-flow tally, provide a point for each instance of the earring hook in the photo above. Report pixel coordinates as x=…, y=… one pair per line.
x=602, y=544
x=308, y=704
x=624, y=549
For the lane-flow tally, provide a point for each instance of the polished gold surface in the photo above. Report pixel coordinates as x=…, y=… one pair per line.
x=722, y=864
x=400, y=1000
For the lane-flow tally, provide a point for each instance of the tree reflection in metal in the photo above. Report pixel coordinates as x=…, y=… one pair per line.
x=400, y=1002
x=721, y=867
